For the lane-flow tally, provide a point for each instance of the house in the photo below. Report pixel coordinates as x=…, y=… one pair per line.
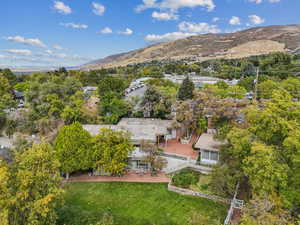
x=156, y=131
x=209, y=148
x=89, y=90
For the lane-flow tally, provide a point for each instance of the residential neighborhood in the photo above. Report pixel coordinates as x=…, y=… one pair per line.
x=150, y=112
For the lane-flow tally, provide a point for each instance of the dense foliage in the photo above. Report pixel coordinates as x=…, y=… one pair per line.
x=30, y=189
x=185, y=178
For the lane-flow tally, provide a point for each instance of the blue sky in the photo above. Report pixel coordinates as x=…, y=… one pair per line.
x=45, y=33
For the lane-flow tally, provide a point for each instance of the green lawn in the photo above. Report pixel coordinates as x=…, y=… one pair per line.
x=133, y=204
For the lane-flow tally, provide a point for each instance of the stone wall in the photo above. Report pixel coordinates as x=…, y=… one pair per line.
x=184, y=191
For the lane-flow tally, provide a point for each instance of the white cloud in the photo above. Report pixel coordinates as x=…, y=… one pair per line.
x=62, y=8
x=256, y=20
x=106, y=30
x=167, y=36
x=200, y=28
x=164, y=16
x=31, y=41
x=98, y=8
x=5, y=56
x=75, y=25
x=19, y=51
x=127, y=32
x=260, y=1
x=57, y=47
x=215, y=19
x=235, y=20
x=174, y=5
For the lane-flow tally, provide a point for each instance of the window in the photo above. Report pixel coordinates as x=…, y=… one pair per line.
x=205, y=155
x=209, y=155
x=214, y=156
x=142, y=165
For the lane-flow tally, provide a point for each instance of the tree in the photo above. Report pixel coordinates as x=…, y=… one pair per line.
x=5, y=193
x=110, y=84
x=34, y=191
x=73, y=148
x=152, y=157
x=264, y=212
x=263, y=153
x=266, y=88
x=111, y=150
x=186, y=89
x=10, y=76
x=112, y=108
x=265, y=173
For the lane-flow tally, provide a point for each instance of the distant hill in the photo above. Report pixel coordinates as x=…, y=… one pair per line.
x=254, y=41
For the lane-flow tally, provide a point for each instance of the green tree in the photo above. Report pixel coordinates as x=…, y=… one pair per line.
x=112, y=108
x=10, y=76
x=73, y=148
x=157, y=101
x=113, y=84
x=111, y=151
x=186, y=89
x=265, y=173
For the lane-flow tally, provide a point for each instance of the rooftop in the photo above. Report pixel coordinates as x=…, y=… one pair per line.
x=208, y=142
x=139, y=128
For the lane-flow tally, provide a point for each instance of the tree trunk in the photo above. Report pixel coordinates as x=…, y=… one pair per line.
x=67, y=176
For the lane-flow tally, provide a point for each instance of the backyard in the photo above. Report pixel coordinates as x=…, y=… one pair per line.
x=133, y=204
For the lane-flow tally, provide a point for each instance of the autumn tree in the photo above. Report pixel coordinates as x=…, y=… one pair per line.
x=5, y=193
x=30, y=189
x=157, y=163
x=73, y=148
x=111, y=151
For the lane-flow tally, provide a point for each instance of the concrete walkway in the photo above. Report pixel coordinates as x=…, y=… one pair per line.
x=130, y=177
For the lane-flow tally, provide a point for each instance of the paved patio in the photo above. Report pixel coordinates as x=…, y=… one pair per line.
x=130, y=177
x=175, y=147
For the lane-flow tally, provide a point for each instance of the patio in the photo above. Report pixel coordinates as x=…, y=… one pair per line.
x=131, y=176
x=175, y=147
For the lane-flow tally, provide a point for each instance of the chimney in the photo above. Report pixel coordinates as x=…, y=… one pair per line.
x=210, y=125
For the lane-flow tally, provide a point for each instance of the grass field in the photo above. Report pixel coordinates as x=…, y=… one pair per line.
x=133, y=204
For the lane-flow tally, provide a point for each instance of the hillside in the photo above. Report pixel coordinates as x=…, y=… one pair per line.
x=254, y=41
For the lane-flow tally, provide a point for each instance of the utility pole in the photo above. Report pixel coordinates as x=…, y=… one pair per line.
x=256, y=83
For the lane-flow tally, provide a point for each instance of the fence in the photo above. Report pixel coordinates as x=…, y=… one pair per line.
x=184, y=191
x=235, y=204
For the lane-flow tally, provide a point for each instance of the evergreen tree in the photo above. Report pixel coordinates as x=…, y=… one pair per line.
x=186, y=89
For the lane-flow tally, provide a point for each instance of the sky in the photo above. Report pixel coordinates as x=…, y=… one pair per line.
x=54, y=33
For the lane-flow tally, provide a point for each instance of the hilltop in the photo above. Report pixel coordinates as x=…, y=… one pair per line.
x=253, y=41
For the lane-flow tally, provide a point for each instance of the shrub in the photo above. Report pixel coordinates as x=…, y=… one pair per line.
x=185, y=178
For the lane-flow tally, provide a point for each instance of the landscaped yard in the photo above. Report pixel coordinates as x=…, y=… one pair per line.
x=133, y=204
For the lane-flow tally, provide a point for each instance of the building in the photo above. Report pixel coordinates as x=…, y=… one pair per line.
x=199, y=81
x=209, y=148
x=89, y=90
x=156, y=131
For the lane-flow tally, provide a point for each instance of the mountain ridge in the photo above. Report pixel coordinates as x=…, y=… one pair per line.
x=249, y=42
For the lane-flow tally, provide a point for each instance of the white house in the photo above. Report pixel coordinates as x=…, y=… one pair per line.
x=209, y=148
x=156, y=131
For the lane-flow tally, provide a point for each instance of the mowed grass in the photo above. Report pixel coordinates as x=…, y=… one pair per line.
x=133, y=204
